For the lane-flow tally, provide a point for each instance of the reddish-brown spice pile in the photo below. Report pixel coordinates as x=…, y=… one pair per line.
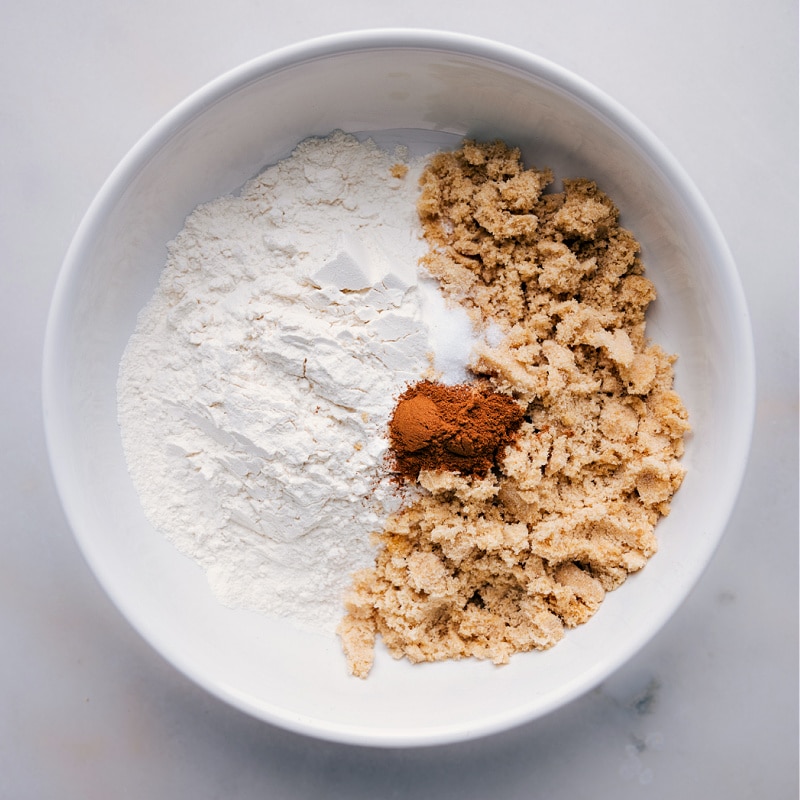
x=462, y=428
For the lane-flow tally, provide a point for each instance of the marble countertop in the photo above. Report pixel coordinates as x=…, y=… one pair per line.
x=708, y=709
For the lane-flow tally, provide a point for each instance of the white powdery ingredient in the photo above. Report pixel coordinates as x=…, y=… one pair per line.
x=255, y=392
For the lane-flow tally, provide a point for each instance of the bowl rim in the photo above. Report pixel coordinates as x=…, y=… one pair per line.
x=341, y=44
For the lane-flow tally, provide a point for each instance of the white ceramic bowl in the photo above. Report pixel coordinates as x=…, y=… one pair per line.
x=417, y=85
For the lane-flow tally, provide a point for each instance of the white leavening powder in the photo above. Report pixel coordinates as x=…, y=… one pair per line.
x=255, y=392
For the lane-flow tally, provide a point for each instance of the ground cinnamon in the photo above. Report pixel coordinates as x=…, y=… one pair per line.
x=462, y=428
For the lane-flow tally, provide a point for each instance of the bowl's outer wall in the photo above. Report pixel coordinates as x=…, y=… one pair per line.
x=424, y=85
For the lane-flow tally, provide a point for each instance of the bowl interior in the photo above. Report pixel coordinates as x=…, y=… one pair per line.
x=421, y=90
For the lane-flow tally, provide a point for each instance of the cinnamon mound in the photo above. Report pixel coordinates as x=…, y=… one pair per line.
x=461, y=429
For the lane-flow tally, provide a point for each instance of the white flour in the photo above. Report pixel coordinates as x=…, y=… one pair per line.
x=254, y=394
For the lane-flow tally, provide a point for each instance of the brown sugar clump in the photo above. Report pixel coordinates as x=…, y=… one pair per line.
x=461, y=429
x=489, y=562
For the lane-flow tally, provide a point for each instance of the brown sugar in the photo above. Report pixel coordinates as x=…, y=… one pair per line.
x=490, y=562
x=462, y=429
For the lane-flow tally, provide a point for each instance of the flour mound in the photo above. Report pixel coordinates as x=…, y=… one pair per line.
x=254, y=395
